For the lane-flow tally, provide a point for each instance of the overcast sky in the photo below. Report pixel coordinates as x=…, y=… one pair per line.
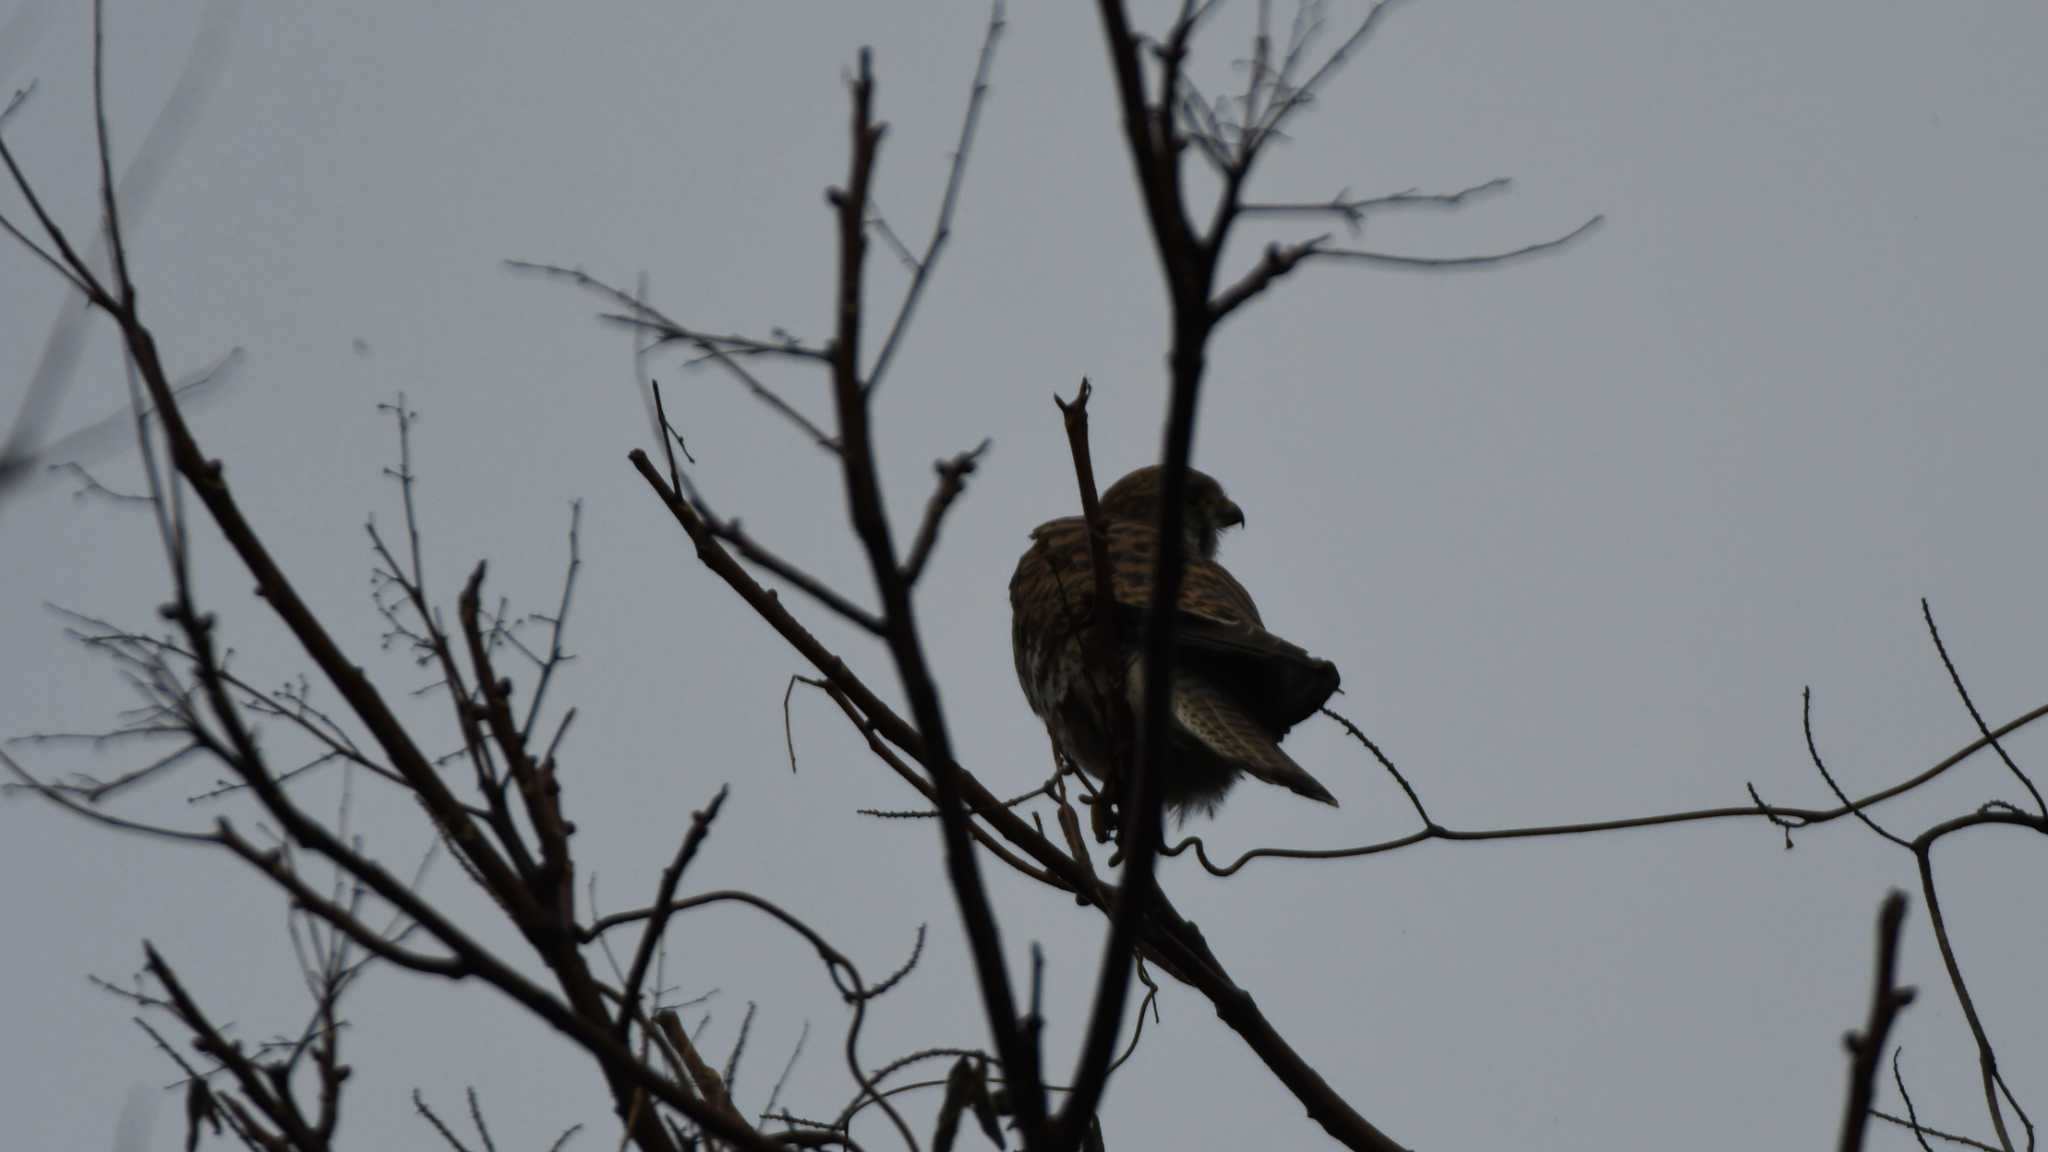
x=1577, y=533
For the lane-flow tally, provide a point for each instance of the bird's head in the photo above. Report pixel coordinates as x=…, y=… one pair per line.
x=1206, y=510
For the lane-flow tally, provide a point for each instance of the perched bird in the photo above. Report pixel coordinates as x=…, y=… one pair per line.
x=1237, y=688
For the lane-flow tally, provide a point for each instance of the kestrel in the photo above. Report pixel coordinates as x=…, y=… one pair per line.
x=1237, y=688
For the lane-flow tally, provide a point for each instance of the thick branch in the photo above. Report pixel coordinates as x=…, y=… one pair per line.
x=1103, y=635
x=871, y=524
x=1987, y=1058
x=1866, y=1048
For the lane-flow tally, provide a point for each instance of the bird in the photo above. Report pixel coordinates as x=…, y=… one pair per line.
x=1237, y=688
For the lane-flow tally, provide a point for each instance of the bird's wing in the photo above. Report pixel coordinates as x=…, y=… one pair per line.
x=1220, y=631
x=1219, y=627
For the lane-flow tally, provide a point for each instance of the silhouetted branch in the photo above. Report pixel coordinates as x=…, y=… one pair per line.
x=1922, y=1131
x=700, y=826
x=556, y=625
x=721, y=349
x=789, y=1066
x=1977, y=717
x=140, y=177
x=942, y=227
x=846, y=978
x=1103, y=639
x=1354, y=210
x=1813, y=752
x=1912, y=1114
x=953, y=474
x=1280, y=259
x=419, y=1105
x=1987, y=1058
x=758, y=553
x=272, y=1099
x=871, y=525
x=1795, y=817
x=1407, y=789
x=1866, y=1048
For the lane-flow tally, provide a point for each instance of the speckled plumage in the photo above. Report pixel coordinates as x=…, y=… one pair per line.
x=1237, y=688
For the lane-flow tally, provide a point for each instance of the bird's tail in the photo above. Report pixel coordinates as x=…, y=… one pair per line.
x=1233, y=734
x=1282, y=770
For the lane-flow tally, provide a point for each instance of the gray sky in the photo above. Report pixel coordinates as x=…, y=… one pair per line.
x=1577, y=532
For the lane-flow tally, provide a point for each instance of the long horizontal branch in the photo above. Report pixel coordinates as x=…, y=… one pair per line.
x=1800, y=817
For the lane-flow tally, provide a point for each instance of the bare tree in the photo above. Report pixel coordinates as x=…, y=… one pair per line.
x=498, y=805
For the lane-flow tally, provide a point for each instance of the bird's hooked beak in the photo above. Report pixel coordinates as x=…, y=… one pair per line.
x=1230, y=516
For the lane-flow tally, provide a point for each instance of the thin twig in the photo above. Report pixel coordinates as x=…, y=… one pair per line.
x=1924, y=1131
x=1912, y=1114
x=943, y=226
x=419, y=1105
x=1813, y=751
x=758, y=553
x=1354, y=210
x=1407, y=789
x=953, y=474
x=1977, y=717
x=700, y=826
x=1786, y=816
x=719, y=348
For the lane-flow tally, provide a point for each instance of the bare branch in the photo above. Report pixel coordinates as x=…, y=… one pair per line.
x=1793, y=817
x=139, y=181
x=73, y=267
x=20, y=97
x=666, y=331
x=276, y=1104
x=1103, y=636
x=953, y=476
x=1280, y=259
x=1813, y=751
x=775, y=1093
x=108, y=197
x=871, y=524
x=759, y=554
x=26, y=781
x=556, y=623
x=1977, y=717
x=1459, y=263
x=419, y=1104
x=1407, y=789
x=700, y=826
x=1922, y=1131
x=1353, y=210
x=476, y=1117
x=720, y=349
x=1987, y=1058
x=1296, y=95
x=943, y=226
x=1912, y=1115
x=1866, y=1048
